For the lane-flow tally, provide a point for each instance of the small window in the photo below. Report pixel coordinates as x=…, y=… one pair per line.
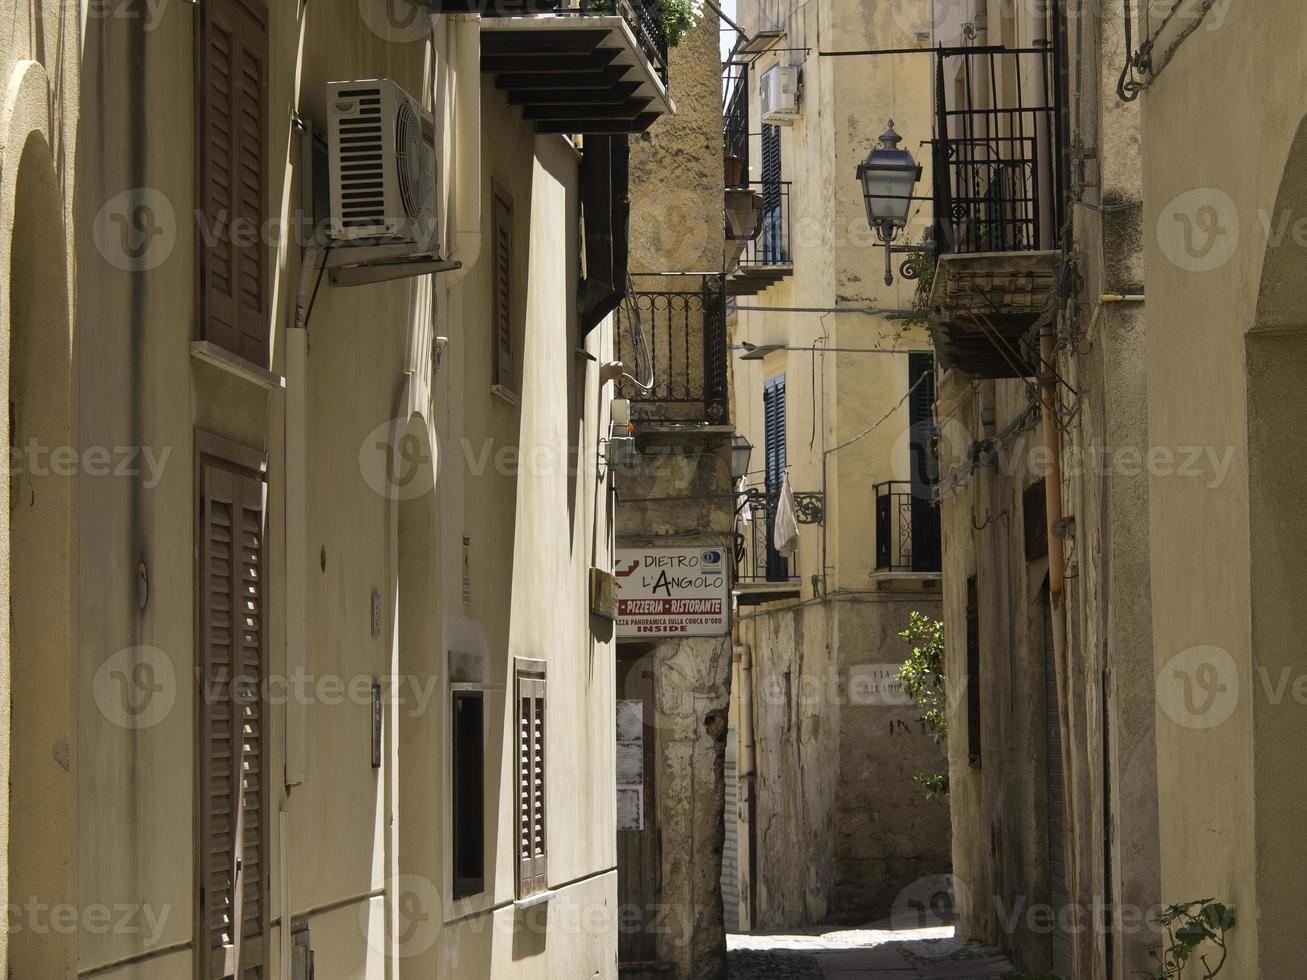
x=973, y=674
x=469, y=793
x=532, y=871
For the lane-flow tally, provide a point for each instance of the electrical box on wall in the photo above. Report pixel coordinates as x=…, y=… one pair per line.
x=780, y=95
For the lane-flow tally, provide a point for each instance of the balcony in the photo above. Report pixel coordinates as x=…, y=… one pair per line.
x=581, y=66
x=765, y=259
x=673, y=341
x=999, y=186
x=762, y=574
x=907, y=529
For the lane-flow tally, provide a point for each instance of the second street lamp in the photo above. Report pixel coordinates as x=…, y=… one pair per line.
x=888, y=177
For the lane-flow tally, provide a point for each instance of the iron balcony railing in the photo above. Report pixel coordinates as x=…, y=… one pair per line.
x=735, y=118
x=907, y=528
x=772, y=246
x=673, y=342
x=998, y=150
x=757, y=561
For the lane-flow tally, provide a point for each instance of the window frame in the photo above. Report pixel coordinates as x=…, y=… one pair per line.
x=465, y=886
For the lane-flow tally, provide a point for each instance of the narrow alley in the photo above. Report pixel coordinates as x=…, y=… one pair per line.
x=864, y=954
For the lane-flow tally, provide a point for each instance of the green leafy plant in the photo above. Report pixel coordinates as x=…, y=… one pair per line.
x=675, y=18
x=924, y=264
x=922, y=676
x=1189, y=926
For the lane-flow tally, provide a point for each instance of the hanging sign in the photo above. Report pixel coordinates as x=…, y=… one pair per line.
x=672, y=592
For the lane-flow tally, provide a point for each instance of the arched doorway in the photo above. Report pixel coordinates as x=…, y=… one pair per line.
x=42, y=490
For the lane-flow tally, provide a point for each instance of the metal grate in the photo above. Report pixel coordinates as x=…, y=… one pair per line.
x=907, y=529
x=998, y=171
x=735, y=123
x=683, y=333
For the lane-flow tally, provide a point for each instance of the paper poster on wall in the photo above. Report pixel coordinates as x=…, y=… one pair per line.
x=630, y=765
x=672, y=591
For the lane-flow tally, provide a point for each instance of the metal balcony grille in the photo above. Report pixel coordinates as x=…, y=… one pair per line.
x=907, y=529
x=735, y=124
x=757, y=561
x=674, y=341
x=998, y=171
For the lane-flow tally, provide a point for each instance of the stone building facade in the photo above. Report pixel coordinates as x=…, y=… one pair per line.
x=297, y=633
x=1038, y=317
x=825, y=361
x=677, y=494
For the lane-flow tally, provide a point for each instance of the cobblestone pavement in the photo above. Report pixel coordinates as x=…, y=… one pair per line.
x=863, y=954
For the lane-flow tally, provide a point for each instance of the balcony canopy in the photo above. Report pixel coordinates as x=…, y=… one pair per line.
x=577, y=72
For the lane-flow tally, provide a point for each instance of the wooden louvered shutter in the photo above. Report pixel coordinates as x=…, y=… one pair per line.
x=233, y=84
x=502, y=298
x=773, y=397
x=232, y=865
x=532, y=871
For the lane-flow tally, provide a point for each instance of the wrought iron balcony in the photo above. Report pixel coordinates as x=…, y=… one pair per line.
x=674, y=343
x=999, y=198
x=761, y=572
x=735, y=120
x=907, y=528
x=766, y=259
x=576, y=66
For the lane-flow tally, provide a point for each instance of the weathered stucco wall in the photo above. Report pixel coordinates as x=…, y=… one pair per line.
x=842, y=829
x=1225, y=320
x=1000, y=811
x=679, y=495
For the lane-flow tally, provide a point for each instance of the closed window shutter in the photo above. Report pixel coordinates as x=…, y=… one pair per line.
x=233, y=859
x=502, y=300
x=532, y=875
x=773, y=396
x=234, y=175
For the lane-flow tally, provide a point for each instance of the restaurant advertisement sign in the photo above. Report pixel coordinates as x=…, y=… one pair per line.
x=672, y=592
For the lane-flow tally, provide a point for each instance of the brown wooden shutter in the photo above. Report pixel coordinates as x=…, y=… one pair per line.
x=502, y=300
x=233, y=862
x=233, y=84
x=532, y=876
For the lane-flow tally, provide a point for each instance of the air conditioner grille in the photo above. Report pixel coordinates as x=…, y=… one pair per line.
x=409, y=159
x=363, y=194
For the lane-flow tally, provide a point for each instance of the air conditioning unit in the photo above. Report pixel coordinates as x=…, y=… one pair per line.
x=780, y=95
x=384, y=170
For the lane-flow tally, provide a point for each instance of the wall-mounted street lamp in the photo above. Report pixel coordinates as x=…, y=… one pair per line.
x=888, y=177
x=741, y=450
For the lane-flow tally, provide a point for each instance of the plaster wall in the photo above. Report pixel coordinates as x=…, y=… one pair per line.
x=361, y=854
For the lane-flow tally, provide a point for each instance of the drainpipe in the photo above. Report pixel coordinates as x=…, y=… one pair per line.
x=744, y=657
x=463, y=43
x=296, y=516
x=1057, y=563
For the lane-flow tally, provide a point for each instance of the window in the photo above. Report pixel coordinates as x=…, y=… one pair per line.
x=469, y=793
x=773, y=415
x=973, y=674
x=532, y=872
x=232, y=91
x=773, y=231
x=926, y=535
x=501, y=301
x=232, y=868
